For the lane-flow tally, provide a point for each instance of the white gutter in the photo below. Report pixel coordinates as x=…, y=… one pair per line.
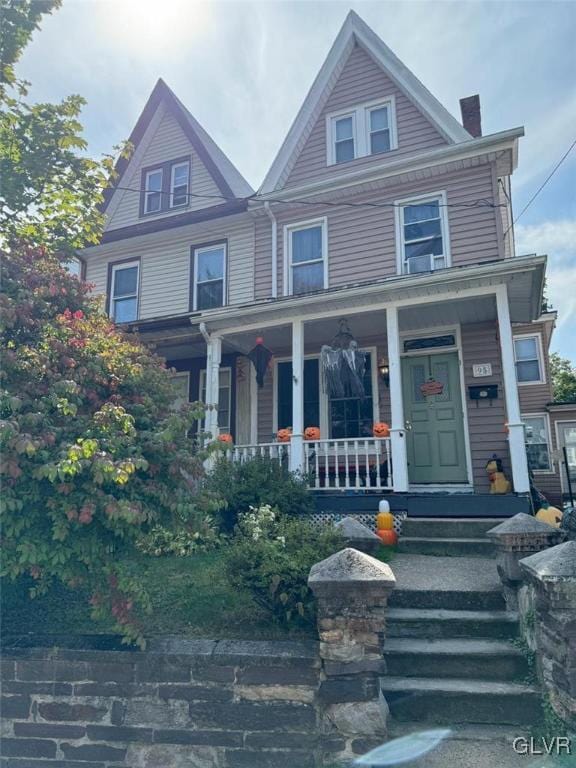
x=204, y=331
x=274, y=249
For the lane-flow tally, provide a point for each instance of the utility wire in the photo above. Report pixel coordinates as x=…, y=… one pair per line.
x=541, y=187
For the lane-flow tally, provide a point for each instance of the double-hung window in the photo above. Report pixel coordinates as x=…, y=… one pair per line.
x=528, y=359
x=179, y=182
x=153, y=191
x=181, y=387
x=538, y=443
x=367, y=129
x=224, y=398
x=209, y=285
x=422, y=231
x=307, y=258
x=124, y=291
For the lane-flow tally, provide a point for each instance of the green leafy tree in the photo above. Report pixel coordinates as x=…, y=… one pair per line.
x=563, y=375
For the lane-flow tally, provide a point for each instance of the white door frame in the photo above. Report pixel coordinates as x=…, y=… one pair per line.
x=455, y=329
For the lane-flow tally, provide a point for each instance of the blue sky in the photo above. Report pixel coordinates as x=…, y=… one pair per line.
x=243, y=70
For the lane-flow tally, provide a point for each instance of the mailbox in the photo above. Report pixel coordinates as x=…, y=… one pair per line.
x=483, y=392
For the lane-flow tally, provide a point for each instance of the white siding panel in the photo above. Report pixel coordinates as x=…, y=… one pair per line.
x=168, y=142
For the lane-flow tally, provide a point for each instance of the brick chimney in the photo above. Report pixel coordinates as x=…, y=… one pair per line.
x=471, y=117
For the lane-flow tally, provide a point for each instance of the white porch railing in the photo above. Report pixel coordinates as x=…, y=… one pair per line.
x=346, y=464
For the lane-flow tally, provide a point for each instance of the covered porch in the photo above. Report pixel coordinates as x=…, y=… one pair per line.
x=454, y=333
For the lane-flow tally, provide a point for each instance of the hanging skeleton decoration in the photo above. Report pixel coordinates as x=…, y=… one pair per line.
x=260, y=357
x=343, y=365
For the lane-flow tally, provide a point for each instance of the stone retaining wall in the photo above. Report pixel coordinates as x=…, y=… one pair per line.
x=181, y=704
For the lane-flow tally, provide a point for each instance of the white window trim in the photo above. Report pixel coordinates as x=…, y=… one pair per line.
x=399, y=226
x=540, y=353
x=202, y=386
x=360, y=128
x=203, y=249
x=288, y=230
x=546, y=417
x=183, y=375
x=183, y=164
x=557, y=430
x=148, y=191
x=324, y=398
x=113, y=298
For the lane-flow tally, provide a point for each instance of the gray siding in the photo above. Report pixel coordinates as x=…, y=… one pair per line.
x=362, y=80
x=165, y=263
x=362, y=241
x=165, y=141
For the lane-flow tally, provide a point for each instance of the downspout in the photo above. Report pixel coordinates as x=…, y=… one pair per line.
x=274, y=249
x=204, y=332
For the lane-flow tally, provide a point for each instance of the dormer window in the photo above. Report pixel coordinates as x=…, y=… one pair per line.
x=165, y=186
x=368, y=129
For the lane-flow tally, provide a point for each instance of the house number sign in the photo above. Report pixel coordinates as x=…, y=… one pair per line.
x=481, y=369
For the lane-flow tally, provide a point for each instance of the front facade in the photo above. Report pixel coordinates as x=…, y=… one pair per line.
x=382, y=220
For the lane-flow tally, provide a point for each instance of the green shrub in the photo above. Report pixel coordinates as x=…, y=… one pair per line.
x=256, y=482
x=179, y=541
x=271, y=555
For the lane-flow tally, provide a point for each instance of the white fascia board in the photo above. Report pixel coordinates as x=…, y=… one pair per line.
x=472, y=148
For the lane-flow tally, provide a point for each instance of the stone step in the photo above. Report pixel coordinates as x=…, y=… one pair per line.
x=449, y=527
x=455, y=658
x=453, y=701
x=445, y=547
x=450, y=599
x=437, y=623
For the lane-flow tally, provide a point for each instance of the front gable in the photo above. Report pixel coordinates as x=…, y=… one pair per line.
x=359, y=71
x=165, y=136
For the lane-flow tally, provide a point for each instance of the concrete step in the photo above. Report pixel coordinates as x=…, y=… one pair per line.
x=453, y=701
x=436, y=623
x=455, y=658
x=449, y=527
x=441, y=547
x=450, y=599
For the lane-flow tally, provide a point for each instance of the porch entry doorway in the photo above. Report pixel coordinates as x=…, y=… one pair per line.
x=434, y=422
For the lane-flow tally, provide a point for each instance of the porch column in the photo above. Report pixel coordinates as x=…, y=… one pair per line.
x=516, y=439
x=213, y=359
x=297, y=441
x=397, y=429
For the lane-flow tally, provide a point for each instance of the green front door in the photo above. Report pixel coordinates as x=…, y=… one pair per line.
x=434, y=422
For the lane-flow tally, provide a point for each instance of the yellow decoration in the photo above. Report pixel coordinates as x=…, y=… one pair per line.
x=498, y=480
x=550, y=515
x=384, y=521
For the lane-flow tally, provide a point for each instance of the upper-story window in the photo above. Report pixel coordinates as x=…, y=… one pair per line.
x=153, y=191
x=165, y=187
x=368, y=129
x=179, y=179
x=422, y=234
x=209, y=276
x=306, y=245
x=528, y=358
x=124, y=279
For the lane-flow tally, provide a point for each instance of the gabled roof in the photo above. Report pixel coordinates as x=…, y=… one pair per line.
x=228, y=179
x=356, y=31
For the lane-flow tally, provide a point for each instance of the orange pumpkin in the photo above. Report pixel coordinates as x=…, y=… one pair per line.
x=381, y=429
x=284, y=435
x=388, y=538
x=312, y=433
x=225, y=438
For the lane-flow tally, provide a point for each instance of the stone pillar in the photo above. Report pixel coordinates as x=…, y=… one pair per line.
x=515, y=539
x=352, y=590
x=553, y=576
x=357, y=535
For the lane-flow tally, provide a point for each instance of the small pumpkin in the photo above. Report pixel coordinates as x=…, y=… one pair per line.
x=388, y=538
x=385, y=521
x=312, y=433
x=284, y=435
x=381, y=429
x=225, y=437
x=550, y=515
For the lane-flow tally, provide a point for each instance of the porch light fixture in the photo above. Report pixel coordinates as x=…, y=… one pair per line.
x=384, y=370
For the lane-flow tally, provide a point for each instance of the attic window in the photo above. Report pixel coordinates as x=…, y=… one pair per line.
x=165, y=186
x=368, y=129
x=179, y=184
x=153, y=193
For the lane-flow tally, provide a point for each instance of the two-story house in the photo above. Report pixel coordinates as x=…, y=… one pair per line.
x=383, y=222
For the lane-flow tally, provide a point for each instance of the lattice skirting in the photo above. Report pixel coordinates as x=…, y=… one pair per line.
x=367, y=518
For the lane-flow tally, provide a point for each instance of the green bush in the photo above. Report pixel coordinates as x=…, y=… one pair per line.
x=271, y=555
x=256, y=482
x=179, y=541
